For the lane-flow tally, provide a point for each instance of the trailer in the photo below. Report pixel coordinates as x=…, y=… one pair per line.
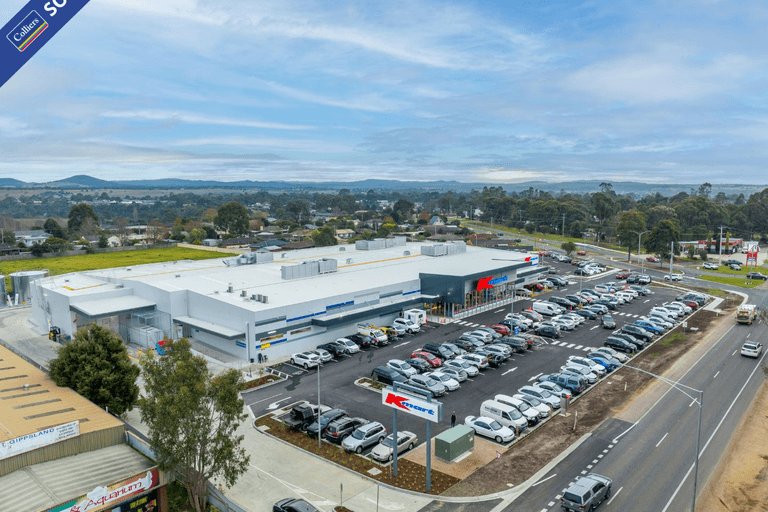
x=746, y=314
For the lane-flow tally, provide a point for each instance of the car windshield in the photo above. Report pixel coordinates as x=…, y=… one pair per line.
x=358, y=434
x=387, y=442
x=545, y=393
x=515, y=414
x=607, y=318
x=522, y=406
x=750, y=346
x=533, y=401
x=495, y=425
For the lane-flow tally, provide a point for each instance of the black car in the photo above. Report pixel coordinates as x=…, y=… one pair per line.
x=637, y=332
x=293, y=505
x=325, y=419
x=586, y=313
x=338, y=429
x=420, y=365
x=387, y=375
x=465, y=344
x=639, y=342
x=641, y=289
x=756, y=275
x=608, y=322
x=361, y=341
x=576, y=299
x=605, y=302
x=698, y=299
x=333, y=348
x=437, y=350
x=548, y=331
x=633, y=278
x=560, y=301
x=620, y=344
x=580, y=272
x=514, y=324
x=559, y=281
x=515, y=343
x=732, y=262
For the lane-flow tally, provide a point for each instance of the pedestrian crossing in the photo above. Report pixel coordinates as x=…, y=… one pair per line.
x=565, y=344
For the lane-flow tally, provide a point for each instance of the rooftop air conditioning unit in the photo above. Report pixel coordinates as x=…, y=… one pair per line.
x=406, y=253
x=243, y=293
x=178, y=275
x=349, y=261
x=253, y=297
x=264, y=299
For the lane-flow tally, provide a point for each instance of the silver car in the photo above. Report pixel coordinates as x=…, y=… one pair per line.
x=364, y=436
x=402, y=367
x=428, y=384
x=458, y=374
x=405, y=441
x=324, y=355
x=446, y=380
x=542, y=394
x=457, y=364
x=580, y=371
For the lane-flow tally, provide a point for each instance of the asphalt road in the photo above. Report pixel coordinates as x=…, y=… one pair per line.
x=652, y=464
x=337, y=378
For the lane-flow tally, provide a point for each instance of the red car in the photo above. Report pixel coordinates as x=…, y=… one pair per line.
x=582, y=253
x=534, y=287
x=544, y=253
x=622, y=274
x=692, y=304
x=652, y=259
x=501, y=329
x=433, y=360
x=574, y=261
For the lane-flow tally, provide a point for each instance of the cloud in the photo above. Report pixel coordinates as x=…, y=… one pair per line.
x=187, y=117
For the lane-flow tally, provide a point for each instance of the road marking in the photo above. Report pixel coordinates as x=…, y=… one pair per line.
x=571, y=345
x=595, y=327
x=616, y=439
x=403, y=344
x=499, y=311
x=716, y=428
x=535, y=377
x=748, y=335
x=665, y=436
x=542, y=481
x=510, y=371
x=587, y=349
x=734, y=352
x=578, y=347
x=614, y=496
x=646, y=300
x=265, y=399
x=693, y=402
x=274, y=404
x=718, y=373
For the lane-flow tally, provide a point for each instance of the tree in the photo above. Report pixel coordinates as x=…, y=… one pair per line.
x=233, y=218
x=7, y=236
x=192, y=417
x=568, y=247
x=96, y=365
x=630, y=225
x=324, y=237
x=603, y=209
x=661, y=238
x=298, y=209
x=77, y=215
x=54, y=229
x=103, y=241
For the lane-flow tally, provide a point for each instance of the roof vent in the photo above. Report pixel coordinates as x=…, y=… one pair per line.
x=342, y=249
x=349, y=261
x=253, y=297
x=243, y=293
x=283, y=255
x=230, y=288
x=406, y=253
x=264, y=299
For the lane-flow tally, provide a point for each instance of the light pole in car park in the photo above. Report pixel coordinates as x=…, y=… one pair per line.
x=699, y=401
x=639, y=238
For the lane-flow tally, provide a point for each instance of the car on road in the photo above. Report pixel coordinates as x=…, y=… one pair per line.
x=622, y=358
x=443, y=378
x=642, y=290
x=541, y=394
x=428, y=385
x=402, y=366
x=586, y=493
x=673, y=277
x=652, y=259
x=608, y=322
x=490, y=428
x=644, y=279
x=349, y=345
x=364, y=436
x=339, y=429
x=293, y=505
x=459, y=365
x=305, y=360
x=732, y=262
x=430, y=358
x=751, y=349
x=756, y=275
x=405, y=441
x=633, y=278
x=620, y=344
x=710, y=266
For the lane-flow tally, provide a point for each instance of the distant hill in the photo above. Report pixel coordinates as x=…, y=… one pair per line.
x=10, y=182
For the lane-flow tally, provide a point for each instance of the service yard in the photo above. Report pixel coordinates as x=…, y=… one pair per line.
x=339, y=390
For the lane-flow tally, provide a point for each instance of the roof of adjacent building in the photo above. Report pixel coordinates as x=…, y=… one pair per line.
x=30, y=401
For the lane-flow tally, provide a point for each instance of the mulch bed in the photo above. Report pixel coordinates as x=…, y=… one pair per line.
x=410, y=476
x=600, y=403
x=266, y=379
x=373, y=385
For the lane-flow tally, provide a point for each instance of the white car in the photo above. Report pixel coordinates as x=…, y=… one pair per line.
x=324, y=355
x=490, y=428
x=470, y=368
x=542, y=394
x=554, y=388
x=673, y=277
x=402, y=367
x=406, y=324
x=405, y=441
x=751, y=349
x=455, y=373
x=495, y=335
x=622, y=358
x=531, y=415
x=563, y=319
x=659, y=320
x=349, y=345
x=520, y=318
x=305, y=359
x=576, y=318
x=446, y=380
x=502, y=350
x=682, y=308
x=581, y=371
x=535, y=404
x=710, y=266
x=588, y=363
x=474, y=359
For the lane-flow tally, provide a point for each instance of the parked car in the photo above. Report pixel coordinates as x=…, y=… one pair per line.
x=457, y=351
x=361, y=340
x=430, y=358
x=402, y=367
x=555, y=389
x=474, y=359
x=324, y=355
x=756, y=275
x=443, y=378
x=305, y=359
x=460, y=365
x=483, y=336
x=502, y=329
x=405, y=441
x=710, y=265
x=752, y=349
x=393, y=332
x=293, y=505
x=606, y=302
x=573, y=383
x=428, y=385
x=349, y=345
x=622, y=358
x=531, y=415
x=339, y=429
x=606, y=361
x=532, y=315
x=364, y=436
x=542, y=394
x=620, y=344
x=652, y=259
x=334, y=348
x=637, y=332
x=599, y=309
x=456, y=374
x=409, y=326
x=388, y=375
x=607, y=322
x=649, y=326
x=322, y=422
x=642, y=290
x=490, y=428
x=419, y=364
x=581, y=253
x=548, y=331
x=735, y=266
x=586, y=493
x=588, y=363
x=633, y=278
x=673, y=277
x=438, y=351
x=515, y=343
x=586, y=313
x=494, y=360
x=622, y=274
x=535, y=404
x=638, y=342
x=580, y=370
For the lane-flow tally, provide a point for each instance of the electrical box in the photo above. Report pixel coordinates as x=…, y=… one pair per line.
x=454, y=442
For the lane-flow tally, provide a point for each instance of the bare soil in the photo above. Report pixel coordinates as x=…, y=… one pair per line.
x=595, y=406
x=740, y=482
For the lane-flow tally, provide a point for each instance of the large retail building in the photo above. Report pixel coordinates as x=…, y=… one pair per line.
x=273, y=304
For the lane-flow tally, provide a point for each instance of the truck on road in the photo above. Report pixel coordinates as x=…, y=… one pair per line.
x=746, y=314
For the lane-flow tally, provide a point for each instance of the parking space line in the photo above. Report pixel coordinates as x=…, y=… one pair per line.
x=265, y=399
x=587, y=349
x=662, y=439
x=499, y=311
x=542, y=481
x=595, y=327
x=718, y=373
x=403, y=344
x=578, y=347
x=614, y=496
x=734, y=352
x=571, y=345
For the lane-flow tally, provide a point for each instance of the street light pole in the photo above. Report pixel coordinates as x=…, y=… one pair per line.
x=639, y=239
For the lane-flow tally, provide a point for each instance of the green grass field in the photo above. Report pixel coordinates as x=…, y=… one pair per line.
x=536, y=234
x=68, y=264
x=744, y=270
x=734, y=281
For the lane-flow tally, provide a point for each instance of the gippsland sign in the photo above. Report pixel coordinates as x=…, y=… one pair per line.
x=39, y=439
x=412, y=404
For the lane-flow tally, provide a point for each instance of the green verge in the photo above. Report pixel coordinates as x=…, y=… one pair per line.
x=733, y=281
x=536, y=234
x=67, y=264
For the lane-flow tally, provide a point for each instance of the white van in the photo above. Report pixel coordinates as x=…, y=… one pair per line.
x=531, y=415
x=417, y=316
x=547, y=308
x=504, y=414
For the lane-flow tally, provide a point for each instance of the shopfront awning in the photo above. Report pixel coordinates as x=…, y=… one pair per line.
x=114, y=306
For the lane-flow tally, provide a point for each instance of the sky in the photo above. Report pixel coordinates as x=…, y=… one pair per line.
x=472, y=91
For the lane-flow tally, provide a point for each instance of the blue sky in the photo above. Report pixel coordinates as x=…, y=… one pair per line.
x=495, y=92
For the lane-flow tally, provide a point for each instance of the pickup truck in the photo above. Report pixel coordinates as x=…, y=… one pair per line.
x=302, y=415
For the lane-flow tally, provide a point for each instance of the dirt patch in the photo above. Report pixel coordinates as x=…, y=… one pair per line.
x=740, y=482
x=266, y=379
x=593, y=407
x=410, y=476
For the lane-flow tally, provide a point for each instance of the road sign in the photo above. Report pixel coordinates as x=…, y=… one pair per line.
x=412, y=404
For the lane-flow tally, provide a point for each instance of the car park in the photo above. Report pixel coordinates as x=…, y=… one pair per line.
x=305, y=360
x=490, y=428
x=531, y=415
x=388, y=375
x=293, y=505
x=622, y=358
x=402, y=367
x=580, y=370
x=607, y=322
x=430, y=358
x=428, y=385
x=409, y=326
x=364, y=436
x=465, y=366
x=350, y=346
x=322, y=422
x=339, y=429
x=383, y=451
x=586, y=493
x=620, y=344
x=456, y=374
x=443, y=378
x=541, y=394
x=573, y=383
x=751, y=349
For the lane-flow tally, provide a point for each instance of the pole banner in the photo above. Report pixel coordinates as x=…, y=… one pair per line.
x=34, y=25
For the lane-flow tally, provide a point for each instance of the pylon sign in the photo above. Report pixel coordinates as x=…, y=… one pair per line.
x=412, y=404
x=752, y=251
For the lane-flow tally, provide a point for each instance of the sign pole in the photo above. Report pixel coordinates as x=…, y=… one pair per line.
x=429, y=455
x=394, y=435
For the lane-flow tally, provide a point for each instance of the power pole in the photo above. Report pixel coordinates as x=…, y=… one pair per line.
x=720, y=245
x=671, y=256
x=563, y=233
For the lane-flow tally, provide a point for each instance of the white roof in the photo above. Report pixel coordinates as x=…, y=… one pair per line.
x=113, y=306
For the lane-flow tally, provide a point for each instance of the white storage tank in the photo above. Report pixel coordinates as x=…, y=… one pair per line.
x=22, y=284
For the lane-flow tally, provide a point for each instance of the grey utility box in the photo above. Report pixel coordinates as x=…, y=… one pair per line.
x=454, y=442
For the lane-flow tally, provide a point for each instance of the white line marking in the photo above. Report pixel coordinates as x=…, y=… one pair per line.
x=555, y=343
x=499, y=311
x=595, y=327
x=665, y=436
x=535, y=377
x=748, y=335
x=403, y=344
x=265, y=399
x=616, y=439
x=614, y=496
x=734, y=352
x=571, y=345
x=646, y=300
x=578, y=347
x=718, y=373
x=510, y=371
x=541, y=481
